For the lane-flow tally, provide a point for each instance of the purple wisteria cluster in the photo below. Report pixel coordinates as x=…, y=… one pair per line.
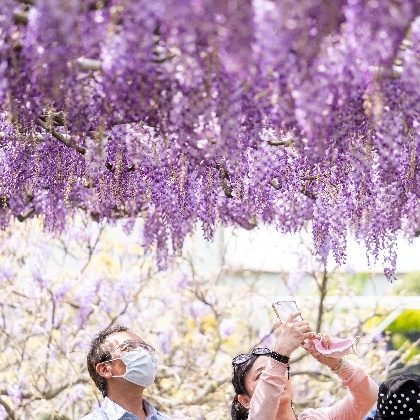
x=217, y=112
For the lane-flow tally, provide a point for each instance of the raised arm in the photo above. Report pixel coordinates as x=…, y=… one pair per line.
x=266, y=398
x=362, y=395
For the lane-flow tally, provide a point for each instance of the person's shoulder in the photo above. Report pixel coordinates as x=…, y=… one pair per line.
x=155, y=414
x=96, y=415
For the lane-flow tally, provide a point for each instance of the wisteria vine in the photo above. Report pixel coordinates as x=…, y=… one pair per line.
x=214, y=112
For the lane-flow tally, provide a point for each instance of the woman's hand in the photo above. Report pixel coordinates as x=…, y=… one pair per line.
x=331, y=362
x=291, y=334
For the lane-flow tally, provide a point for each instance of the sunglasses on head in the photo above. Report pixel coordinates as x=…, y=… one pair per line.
x=242, y=358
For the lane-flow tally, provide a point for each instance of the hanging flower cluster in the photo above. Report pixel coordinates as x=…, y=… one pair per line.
x=214, y=111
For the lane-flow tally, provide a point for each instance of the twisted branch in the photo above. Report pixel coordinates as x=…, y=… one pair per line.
x=61, y=138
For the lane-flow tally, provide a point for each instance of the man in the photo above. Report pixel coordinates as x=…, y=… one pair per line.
x=122, y=366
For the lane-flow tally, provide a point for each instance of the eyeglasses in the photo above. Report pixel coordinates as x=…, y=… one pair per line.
x=242, y=358
x=130, y=345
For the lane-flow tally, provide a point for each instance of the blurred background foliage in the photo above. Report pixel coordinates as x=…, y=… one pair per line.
x=408, y=284
x=56, y=292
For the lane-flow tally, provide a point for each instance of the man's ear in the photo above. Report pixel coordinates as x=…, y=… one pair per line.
x=104, y=370
x=245, y=400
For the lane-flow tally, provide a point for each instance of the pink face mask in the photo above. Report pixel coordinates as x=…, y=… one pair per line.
x=339, y=347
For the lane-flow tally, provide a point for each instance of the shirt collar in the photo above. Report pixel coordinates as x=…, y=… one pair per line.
x=116, y=412
x=112, y=409
x=150, y=410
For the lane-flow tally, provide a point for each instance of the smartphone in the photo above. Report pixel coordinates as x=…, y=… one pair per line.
x=284, y=308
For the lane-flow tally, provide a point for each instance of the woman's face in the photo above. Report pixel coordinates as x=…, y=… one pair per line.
x=251, y=380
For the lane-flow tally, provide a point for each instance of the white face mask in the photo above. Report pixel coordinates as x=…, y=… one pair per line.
x=140, y=367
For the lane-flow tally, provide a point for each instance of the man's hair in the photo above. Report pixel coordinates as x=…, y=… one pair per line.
x=100, y=351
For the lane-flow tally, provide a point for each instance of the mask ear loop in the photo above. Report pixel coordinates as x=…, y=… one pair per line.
x=360, y=347
x=111, y=360
x=354, y=345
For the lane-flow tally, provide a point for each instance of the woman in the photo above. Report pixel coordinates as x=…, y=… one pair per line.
x=264, y=391
x=399, y=397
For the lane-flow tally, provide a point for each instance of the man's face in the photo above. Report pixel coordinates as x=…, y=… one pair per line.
x=116, y=344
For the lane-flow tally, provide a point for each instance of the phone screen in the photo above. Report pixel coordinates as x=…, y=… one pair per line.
x=284, y=308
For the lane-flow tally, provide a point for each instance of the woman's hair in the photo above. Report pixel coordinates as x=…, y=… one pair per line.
x=238, y=411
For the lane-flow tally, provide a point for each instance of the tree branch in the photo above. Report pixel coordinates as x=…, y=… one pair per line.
x=308, y=193
x=322, y=295
x=8, y=409
x=20, y=17
x=47, y=395
x=224, y=175
x=208, y=389
x=26, y=215
x=61, y=138
x=57, y=118
x=286, y=143
x=92, y=248
x=89, y=64
x=275, y=184
x=317, y=375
